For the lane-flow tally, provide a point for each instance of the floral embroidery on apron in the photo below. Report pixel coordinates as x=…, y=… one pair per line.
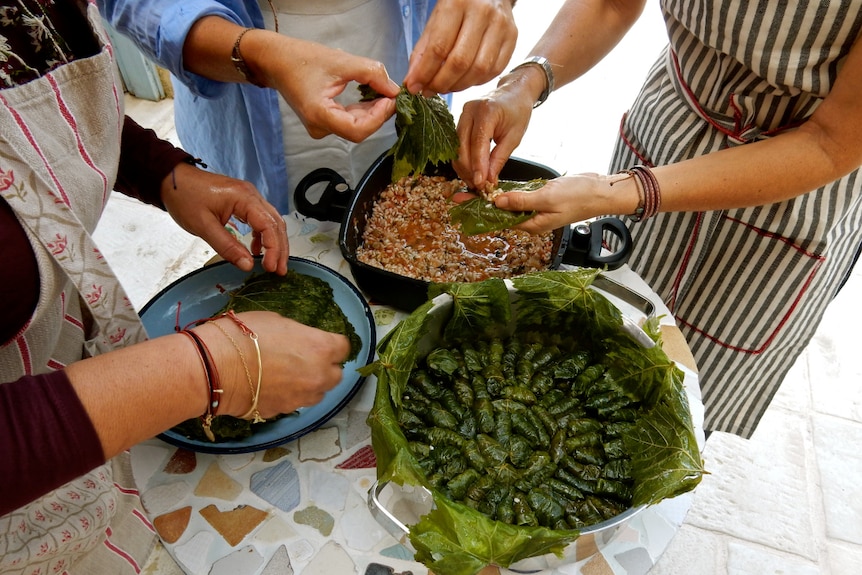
x=59, y=151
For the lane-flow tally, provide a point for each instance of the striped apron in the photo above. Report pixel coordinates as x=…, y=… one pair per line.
x=748, y=287
x=59, y=151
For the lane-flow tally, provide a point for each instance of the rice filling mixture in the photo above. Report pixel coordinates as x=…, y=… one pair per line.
x=410, y=232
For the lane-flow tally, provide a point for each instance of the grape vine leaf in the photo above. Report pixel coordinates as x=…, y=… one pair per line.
x=480, y=216
x=425, y=130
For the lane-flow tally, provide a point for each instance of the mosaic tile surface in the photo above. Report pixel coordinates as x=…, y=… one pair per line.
x=302, y=508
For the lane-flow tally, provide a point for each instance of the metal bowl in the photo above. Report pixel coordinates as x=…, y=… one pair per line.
x=396, y=507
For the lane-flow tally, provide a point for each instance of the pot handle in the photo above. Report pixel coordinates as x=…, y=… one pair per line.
x=333, y=201
x=585, y=244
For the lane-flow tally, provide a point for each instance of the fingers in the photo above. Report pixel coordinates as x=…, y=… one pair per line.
x=471, y=165
x=482, y=122
x=377, y=77
x=203, y=202
x=309, y=368
x=464, y=44
x=229, y=248
x=355, y=122
x=299, y=364
x=269, y=236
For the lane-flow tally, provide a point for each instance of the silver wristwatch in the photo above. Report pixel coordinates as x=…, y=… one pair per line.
x=542, y=63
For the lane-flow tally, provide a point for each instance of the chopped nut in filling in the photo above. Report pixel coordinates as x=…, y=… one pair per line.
x=409, y=232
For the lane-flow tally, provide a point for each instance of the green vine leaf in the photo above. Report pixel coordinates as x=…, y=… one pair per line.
x=425, y=129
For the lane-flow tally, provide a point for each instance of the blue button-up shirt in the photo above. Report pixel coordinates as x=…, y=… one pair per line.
x=235, y=128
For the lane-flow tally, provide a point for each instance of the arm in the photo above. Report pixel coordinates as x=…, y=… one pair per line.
x=46, y=435
x=201, y=202
x=464, y=44
x=111, y=407
x=308, y=75
x=826, y=147
x=145, y=162
x=195, y=41
x=159, y=29
x=572, y=46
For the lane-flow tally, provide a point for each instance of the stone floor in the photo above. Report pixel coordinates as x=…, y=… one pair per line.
x=787, y=501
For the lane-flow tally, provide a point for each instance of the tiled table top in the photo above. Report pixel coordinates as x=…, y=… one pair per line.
x=302, y=507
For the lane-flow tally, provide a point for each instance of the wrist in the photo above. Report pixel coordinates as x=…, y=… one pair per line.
x=235, y=396
x=523, y=85
x=619, y=194
x=243, y=64
x=539, y=77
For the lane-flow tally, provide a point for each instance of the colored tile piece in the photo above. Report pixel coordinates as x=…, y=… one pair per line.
x=357, y=431
x=378, y=569
x=274, y=530
x=598, y=565
x=181, y=462
x=316, y=517
x=193, y=555
x=279, y=563
x=332, y=558
x=235, y=524
x=327, y=489
x=364, y=458
x=163, y=498
x=278, y=485
x=171, y=526
x=398, y=552
x=320, y=445
x=217, y=483
x=275, y=453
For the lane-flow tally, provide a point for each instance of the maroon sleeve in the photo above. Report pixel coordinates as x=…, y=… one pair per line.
x=19, y=290
x=145, y=161
x=46, y=438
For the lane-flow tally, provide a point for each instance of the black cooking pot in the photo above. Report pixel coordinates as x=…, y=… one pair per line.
x=577, y=245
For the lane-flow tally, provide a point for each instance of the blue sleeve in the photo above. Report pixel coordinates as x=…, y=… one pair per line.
x=159, y=28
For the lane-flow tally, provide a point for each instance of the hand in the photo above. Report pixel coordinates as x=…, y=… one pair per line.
x=502, y=117
x=465, y=43
x=203, y=202
x=309, y=76
x=299, y=363
x=567, y=199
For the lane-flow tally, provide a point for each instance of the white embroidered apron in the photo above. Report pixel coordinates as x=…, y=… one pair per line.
x=748, y=287
x=59, y=151
x=344, y=25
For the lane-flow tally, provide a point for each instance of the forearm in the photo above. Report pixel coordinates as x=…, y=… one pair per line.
x=46, y=438
x=160, y=28
x=824, y=148
x=210, y=47
x=756, y=174
x=146, y=161
x=135, y=393
x=582, y=33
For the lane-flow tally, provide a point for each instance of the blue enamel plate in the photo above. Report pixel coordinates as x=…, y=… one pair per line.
x=204, y=292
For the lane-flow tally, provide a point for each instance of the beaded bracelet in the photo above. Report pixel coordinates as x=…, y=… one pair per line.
x=649, y=192
x=212, y=382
